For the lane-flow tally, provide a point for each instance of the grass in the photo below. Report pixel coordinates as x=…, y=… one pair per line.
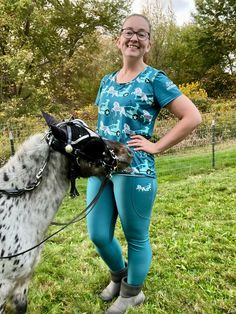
x=195, y=161
x=193, y=240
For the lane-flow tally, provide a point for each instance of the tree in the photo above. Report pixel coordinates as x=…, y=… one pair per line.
x=184, y=57
x=200, y=51
x=174, y=48
x=46, y=48
x=217, y=41
x=162, y=33
x=216, y=20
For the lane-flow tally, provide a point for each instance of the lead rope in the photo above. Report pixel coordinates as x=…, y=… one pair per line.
x=77, y=218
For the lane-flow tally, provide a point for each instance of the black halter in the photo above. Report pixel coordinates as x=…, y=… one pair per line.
x=78, y=142
x=31, y=186
x=82, y=142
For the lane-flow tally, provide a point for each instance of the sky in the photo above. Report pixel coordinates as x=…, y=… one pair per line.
x=182, y=9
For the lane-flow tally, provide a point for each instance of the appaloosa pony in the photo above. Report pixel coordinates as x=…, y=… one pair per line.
x=32, y=186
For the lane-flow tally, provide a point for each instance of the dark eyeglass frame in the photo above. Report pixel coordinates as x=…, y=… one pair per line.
x=133, y=33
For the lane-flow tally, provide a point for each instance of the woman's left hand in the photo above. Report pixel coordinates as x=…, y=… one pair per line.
x=141, y=143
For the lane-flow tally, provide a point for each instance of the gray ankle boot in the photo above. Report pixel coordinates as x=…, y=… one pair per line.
x=113, y=289
x=129, y=296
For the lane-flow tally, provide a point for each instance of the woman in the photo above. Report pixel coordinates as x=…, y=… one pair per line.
x=129, y=101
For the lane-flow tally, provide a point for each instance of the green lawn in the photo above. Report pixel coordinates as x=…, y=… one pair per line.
x=195, y=161
x=193, y=241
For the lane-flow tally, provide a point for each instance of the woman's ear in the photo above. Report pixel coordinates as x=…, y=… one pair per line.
x=118, y=42
x=149, y=46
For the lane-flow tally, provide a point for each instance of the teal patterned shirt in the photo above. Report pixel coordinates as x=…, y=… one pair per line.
x=125, y=109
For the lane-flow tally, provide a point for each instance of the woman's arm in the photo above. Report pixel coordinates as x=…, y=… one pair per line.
x=189, y=118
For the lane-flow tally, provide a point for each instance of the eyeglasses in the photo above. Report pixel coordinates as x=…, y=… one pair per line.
x=129, y=33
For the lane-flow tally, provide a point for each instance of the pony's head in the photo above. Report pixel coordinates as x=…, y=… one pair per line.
x=91, y=154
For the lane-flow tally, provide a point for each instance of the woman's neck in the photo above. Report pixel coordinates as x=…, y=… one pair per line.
x=129, y=71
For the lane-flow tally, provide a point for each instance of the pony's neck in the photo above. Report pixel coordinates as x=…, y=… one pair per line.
x=34, y=209
x=25, y=164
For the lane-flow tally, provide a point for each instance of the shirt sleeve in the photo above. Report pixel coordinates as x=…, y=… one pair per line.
x=164, y=90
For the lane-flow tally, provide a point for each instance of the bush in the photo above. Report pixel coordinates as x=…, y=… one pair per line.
x=89, y=114
x=219, y=83
x=223, y=105
x=197, y=94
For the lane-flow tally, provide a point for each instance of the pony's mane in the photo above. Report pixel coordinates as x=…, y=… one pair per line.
x=32, y=143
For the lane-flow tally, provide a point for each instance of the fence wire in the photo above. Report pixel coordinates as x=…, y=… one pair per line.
x=211, y=145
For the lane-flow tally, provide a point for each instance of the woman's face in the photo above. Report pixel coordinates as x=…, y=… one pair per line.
x=137, y=45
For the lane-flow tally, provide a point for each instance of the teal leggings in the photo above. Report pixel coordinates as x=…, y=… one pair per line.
x=131, y=198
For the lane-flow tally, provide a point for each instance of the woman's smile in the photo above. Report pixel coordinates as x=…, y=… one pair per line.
x=133, y=46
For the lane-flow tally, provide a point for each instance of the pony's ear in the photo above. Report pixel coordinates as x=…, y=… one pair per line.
x=59, y=134
x=49, y=119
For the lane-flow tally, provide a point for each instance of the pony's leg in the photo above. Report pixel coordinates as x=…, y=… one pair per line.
x=2, y=307
x=6, y=287
x=19, y=298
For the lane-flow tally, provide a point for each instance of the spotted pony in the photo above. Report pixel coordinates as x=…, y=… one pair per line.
x=33, y=184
